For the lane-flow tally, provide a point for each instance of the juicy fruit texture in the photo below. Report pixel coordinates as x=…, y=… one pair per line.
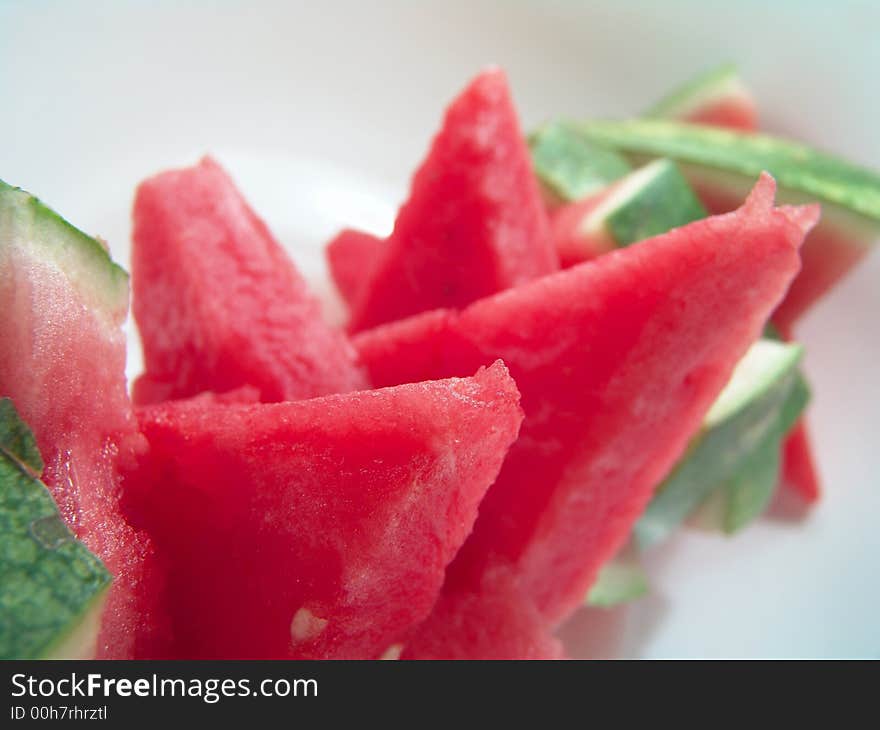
x=570, y=167
x=650, y=201
x=352, y=256
x=218, y=302
x=363, y=497
x=50, y=584
x=474, y=223
x=494, y=622
x=736, y=454
x=718, y=98
x=722, y=163
x=62, y=362
x=613, y=385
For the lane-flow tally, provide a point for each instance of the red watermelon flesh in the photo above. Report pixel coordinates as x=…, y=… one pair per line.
x=474, y=223
x=320, y=528
x=719, y=98
x=352, y=256
x=798, y=466
x=495, y=622
x=734, y=112
x=218, y=302
x=617, y=361
x=62, y=361
x=799, y=471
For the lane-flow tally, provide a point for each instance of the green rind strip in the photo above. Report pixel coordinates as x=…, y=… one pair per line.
x=27, y=222
x=570, y=167
x=716, y=83
x=751, y=411
x=661, y=200
x=49, y=582
x=795, y=166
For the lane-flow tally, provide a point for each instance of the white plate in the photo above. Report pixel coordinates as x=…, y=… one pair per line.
x=321, y=111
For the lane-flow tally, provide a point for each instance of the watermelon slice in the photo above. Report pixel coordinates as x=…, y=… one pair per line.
x=52, y=589
x=62, y=362
x=474, y=223
x=320, y=528
x=218, y=303
x=352, y=256
x=718, y=97
x=618, y=361
x=721, y=164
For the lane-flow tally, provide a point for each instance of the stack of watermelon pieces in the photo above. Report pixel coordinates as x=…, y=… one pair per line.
x=446, y=478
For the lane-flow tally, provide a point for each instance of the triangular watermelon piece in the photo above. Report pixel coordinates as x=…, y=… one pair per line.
x=320, y=528
x=352, y=256
x=618, y=361
x=62, y=362
x=219, y=304
x=474, y=223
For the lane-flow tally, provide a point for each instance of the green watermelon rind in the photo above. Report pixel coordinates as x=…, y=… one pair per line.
x=569, y=167
x=721, y=82
x=752, y=411
x=52, y=587
x=796, y=167
x=749, y=492
x=649, y=201
x=27, y=222
x=734, y=504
